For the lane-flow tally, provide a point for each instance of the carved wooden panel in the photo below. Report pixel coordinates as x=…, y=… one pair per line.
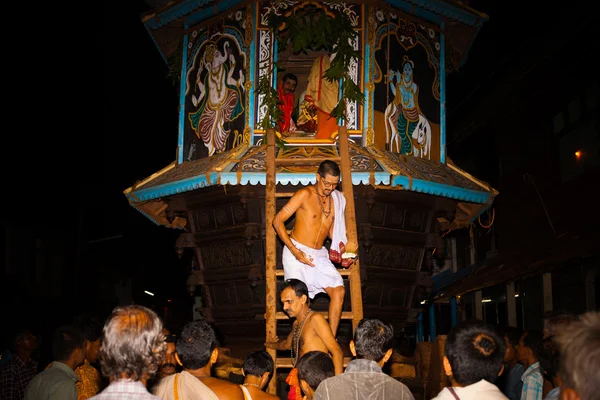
x=390, y=256
x=229, y=254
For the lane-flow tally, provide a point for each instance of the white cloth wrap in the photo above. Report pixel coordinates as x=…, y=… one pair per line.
x=322, y=275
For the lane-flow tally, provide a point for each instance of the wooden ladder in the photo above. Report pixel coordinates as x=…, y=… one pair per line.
x=271, y=274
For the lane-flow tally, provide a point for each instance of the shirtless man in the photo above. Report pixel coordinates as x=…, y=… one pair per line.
x=304, y=256
x=310, y=332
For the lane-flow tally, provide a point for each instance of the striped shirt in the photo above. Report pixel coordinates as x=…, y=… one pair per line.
x=533, y=383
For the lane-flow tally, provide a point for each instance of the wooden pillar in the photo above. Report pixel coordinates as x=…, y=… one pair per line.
x=432, y=322
x=351, y=234
x=511, y=305
x=453, y=311
x=270, y=254
x=477, y=304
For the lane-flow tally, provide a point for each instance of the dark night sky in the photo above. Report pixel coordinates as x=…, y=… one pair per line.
x=129, y=131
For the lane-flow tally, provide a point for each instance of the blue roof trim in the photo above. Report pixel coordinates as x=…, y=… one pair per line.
x=171, y=188
x=416, y=11
x=439, y=189
x=184, y=8
x=448, y=10
x=251, y=178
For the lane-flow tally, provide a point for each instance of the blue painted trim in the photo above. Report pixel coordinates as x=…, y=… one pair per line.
x=440, y=189
x=367, y=104
x=431, y=322
x=447, y=10
x=186, y=7
x=453, y=312
x=442, y=96
x=248, y=178
x=252, y=74
x=416, y=11
x=182, y=83
x=420, y=327
x=169, y=189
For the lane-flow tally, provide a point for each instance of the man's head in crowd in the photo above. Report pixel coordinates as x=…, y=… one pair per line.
x=68, y=346
x=91, y=327
x=133, y=345
x=258, y=366
x=373, y=340
x=313, y=368
x=512, y=335
x=197, y=345
x=168, y=365
x=473, y=351
x=579, y=345
x=529, y=347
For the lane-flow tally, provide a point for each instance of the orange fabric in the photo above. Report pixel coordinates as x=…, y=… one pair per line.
x=295, y=392
x=326, y=125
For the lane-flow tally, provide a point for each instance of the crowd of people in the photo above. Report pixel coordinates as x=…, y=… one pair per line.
x=130, y=355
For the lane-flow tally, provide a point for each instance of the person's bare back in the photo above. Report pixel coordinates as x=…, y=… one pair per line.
x=223, y=389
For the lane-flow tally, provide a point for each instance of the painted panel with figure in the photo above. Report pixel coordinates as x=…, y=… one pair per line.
x=407, y=86
x=216, y=98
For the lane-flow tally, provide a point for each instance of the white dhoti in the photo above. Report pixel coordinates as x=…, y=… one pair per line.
x=322, y=275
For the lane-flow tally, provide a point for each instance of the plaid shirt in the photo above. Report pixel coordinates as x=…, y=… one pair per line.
x=15, y=375
x=125, y=390
x=533, y=383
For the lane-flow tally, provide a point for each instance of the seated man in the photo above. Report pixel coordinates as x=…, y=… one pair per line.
x=474, y=355
x=313, y=368
x=257, y=369
x=285, y=91
x=321, y=97
x=364, y=378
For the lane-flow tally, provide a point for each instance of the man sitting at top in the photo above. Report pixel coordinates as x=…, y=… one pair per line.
x=319, y=213
x=285, y=90
x=309, y=332
x=364, y=378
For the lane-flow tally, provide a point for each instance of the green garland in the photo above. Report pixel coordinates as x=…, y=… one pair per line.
x=312, y=29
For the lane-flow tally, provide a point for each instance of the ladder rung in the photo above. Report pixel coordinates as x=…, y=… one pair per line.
x=286, y=362
x=343, y=272
x=345, y=314
x=285, y=194
x=304, y=161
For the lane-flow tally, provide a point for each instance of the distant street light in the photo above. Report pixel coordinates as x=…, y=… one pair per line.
x=149, y=293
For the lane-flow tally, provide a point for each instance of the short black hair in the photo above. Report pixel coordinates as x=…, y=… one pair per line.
x=513, y=334
x=90, y=325
x=549, y=362
x=297, y=286
x=196, y=343
x=257, y=363
x=372, y=339
x=328, y=167
x=65, y=340
x=289, y=76
x=314, y=367
x=475, y=352
x=535, y=341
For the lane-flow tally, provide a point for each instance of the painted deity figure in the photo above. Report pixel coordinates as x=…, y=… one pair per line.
x=220, y=98
x=402, y=114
